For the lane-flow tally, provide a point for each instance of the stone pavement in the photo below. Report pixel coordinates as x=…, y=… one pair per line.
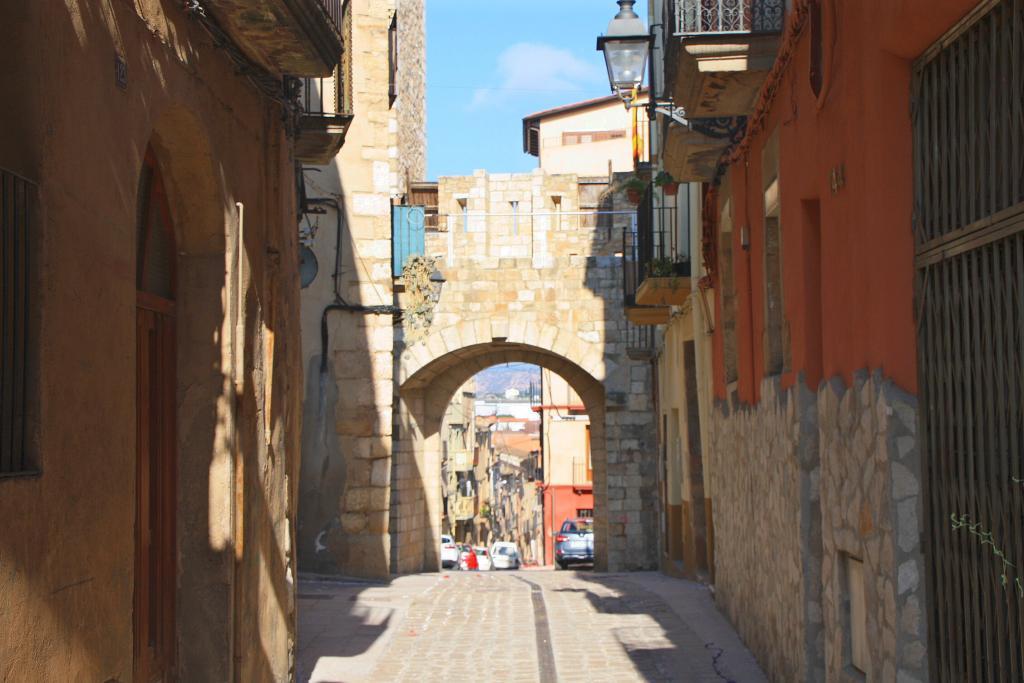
x=541, y=626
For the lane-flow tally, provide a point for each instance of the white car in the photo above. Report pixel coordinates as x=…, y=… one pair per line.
x=449, y=552
x=483, y=558
x=505, y=555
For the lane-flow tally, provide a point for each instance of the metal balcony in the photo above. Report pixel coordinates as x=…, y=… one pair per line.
x=297, y=37
x=656, y=264
x=729, y=16
x=722, y=53
x=326, y=117
x=582, y=475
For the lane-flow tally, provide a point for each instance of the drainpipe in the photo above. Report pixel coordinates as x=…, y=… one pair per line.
x=339, y=303
x=238, y=479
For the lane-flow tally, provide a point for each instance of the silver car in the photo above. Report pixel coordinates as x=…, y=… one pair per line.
x=574, y=543
x=505, y=555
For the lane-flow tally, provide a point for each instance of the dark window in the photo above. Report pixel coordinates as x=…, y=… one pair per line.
x=393, y=60
x=585, y=137
x=17, y=198
x=816, y=74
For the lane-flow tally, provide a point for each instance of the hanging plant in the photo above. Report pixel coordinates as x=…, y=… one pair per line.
x=420, y=297
x=635, y=188
x=666, y=182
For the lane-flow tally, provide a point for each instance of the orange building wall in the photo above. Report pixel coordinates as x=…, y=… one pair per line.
x=560, y=504
x=863, y=316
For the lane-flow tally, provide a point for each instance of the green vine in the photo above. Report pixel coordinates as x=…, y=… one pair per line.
x=987, y=538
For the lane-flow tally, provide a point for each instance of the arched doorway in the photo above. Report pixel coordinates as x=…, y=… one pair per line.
x=156, y=436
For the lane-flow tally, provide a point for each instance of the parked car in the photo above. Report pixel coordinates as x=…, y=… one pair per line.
x=483, y=558
x=505, y=555
x=575, y=542
x=449, y=552
x=467, y=558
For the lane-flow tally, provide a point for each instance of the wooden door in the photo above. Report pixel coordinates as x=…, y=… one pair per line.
x=156, y=437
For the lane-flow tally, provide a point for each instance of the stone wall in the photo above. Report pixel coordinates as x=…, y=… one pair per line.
x=765, y=477
x=348, y=410
x=803, y=482
x=409, y=127
x=870, y=474
x=538, y=285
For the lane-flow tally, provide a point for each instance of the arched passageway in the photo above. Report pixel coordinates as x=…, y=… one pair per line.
x=416, y=504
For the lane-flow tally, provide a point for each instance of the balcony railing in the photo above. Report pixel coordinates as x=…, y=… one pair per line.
x=656, y=263
x=582, y=475
x=640, y=341
x=335, y=10
x=661, y=251
x=729, y=16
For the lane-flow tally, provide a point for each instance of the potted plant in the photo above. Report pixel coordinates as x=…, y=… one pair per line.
x=635, y=189
x=666, y=182
x=667, y=267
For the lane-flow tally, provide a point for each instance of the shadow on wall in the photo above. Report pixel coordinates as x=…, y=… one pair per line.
x=72, y=613
x=626, y=509
x=343, y=511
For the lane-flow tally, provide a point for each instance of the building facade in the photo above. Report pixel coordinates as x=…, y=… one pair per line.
x=348, y=302
x=565, y=451
x=809, y=337
x=150, y=407
x=590, y=138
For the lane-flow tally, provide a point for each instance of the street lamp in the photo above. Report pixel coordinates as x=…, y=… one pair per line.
x=625, y=47
x=437, y=281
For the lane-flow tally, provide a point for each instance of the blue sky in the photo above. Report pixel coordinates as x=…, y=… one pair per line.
x=491, y=62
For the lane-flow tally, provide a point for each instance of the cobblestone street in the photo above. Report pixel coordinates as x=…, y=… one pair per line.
x=517, y=626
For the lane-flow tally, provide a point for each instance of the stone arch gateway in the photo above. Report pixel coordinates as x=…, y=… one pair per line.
x=541, y=287
x=542, y=284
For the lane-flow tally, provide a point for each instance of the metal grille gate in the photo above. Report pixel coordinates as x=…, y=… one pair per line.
x=969, y=228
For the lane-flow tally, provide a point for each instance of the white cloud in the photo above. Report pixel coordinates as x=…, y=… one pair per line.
x=532, y=67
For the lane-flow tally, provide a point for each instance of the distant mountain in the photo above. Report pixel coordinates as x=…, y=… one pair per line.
x=510, y=376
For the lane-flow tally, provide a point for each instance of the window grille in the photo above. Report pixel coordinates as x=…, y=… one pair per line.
x=969, y=229
x=17, y=215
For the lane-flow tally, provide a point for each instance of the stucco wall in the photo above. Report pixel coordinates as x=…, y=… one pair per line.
x=589, y=158
x=848, y=275
x=67, y=542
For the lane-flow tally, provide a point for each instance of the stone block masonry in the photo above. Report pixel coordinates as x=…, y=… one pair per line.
x=806, y=483
x=528, y=277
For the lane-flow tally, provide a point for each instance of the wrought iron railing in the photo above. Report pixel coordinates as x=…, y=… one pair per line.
x=324, y=96
x=662, y=248
x=640, y=340
x=729, y=16
x=335, y=10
